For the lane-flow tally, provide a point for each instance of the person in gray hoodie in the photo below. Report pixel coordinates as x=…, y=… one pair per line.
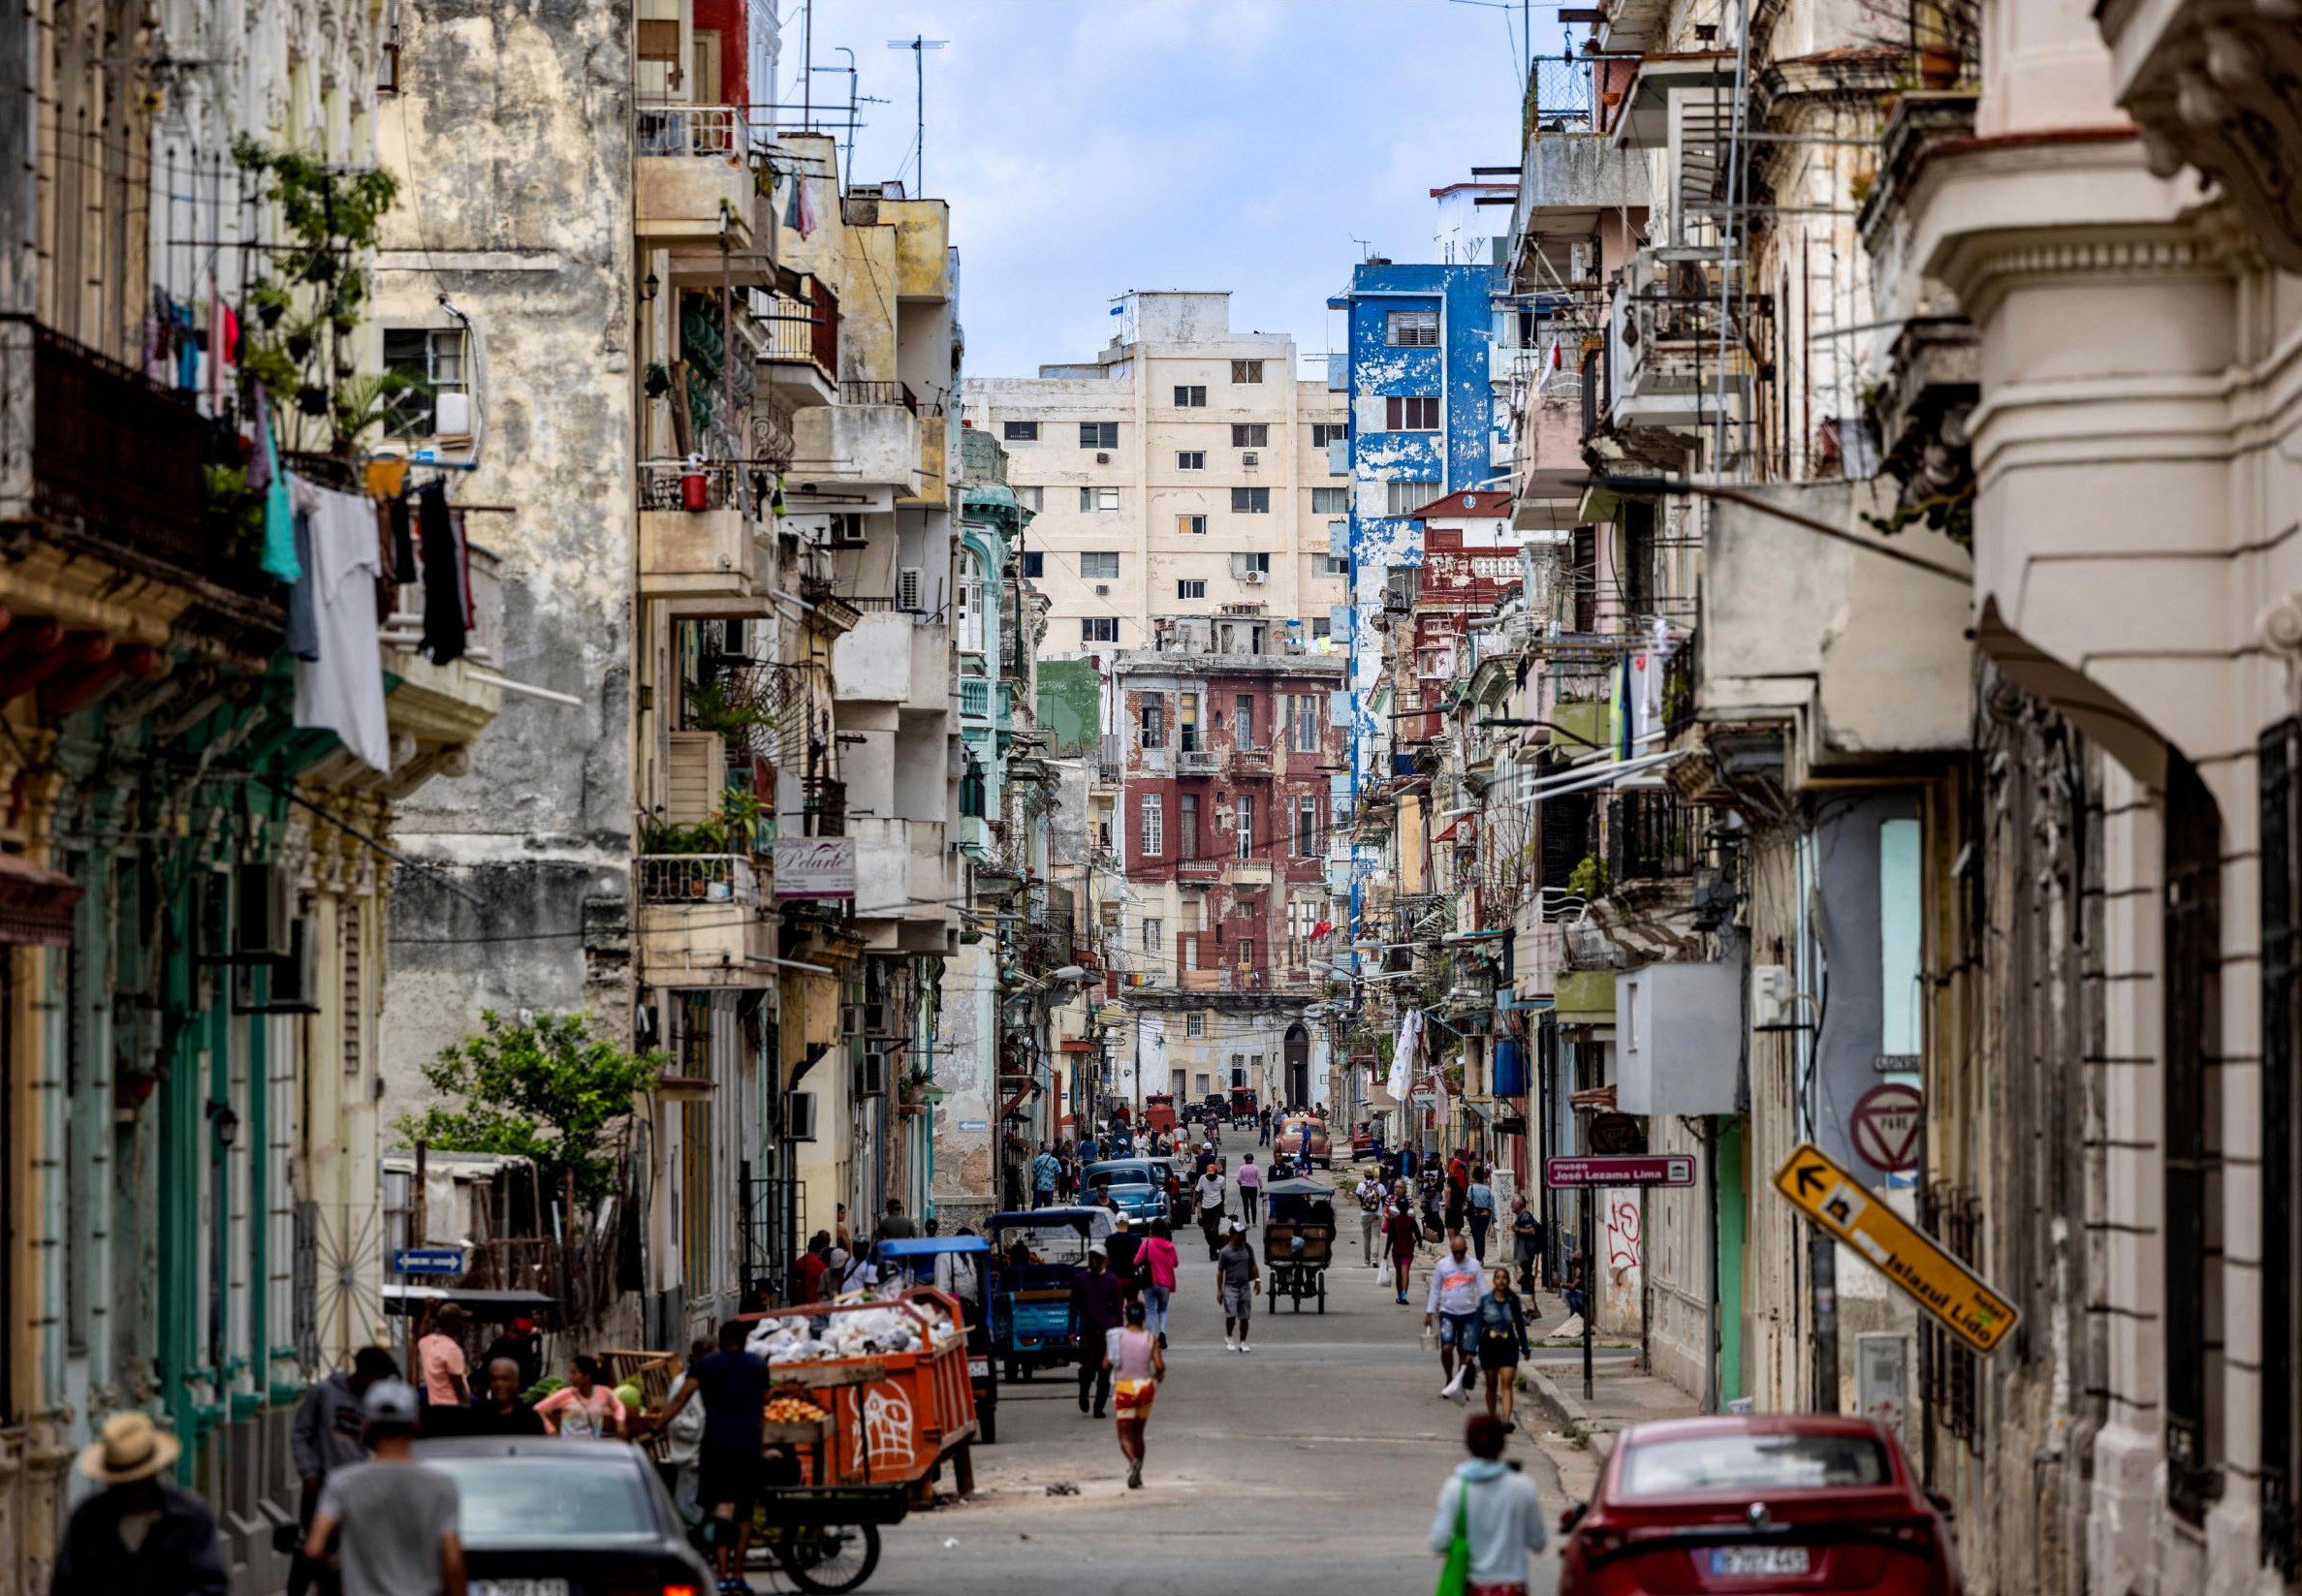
x=1497, y=1509
x=328, y=1434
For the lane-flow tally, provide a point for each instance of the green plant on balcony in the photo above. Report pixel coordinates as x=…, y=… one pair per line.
x=233, y=509
x=735, y=828
x=1589, y=879
x=723, y=705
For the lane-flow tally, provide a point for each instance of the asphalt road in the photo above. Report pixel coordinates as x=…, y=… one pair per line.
x=1310, y=1466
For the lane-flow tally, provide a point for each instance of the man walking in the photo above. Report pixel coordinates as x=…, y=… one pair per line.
x=1046, y=1170
x=521, y=1345
x=439, y=1355
x=1237, y=1280
x=402, y=1534
x=500, y=1410
x=1097, y=1308
x=1527, y=1241
x=733, y=1384
x=1250, y=1187
x=1263, y=1127
x=1453, y=1302
x=1124, y=1242
x=140, y=1535
x=1210, y=1193
x=1369, y=1192
x=895, y=1225
x=326, y=1436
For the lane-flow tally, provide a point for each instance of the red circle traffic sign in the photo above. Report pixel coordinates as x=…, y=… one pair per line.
x=1885, y=1128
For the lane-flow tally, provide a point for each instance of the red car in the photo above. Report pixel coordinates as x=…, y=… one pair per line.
x=1776, y=1503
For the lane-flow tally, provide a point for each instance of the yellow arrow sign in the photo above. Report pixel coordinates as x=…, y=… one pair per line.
x=1902, y=1252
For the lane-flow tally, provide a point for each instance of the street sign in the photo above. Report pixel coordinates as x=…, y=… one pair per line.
x=1885, y=1127
x=1676, y=1170
x=428, y=1261
x=1904, y=1254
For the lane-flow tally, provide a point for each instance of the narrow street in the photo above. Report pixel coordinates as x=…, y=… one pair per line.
x=1312, y=1462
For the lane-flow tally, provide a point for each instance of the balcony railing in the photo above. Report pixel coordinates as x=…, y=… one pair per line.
x=1651, y=837
x=698, y=878
x=802, y=328
x=716, y=484
x=975, y=696
x=1197, y=762
x=691, y=130
x=873, y=392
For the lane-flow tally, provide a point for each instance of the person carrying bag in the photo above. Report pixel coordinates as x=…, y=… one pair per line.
x=1488, y=1518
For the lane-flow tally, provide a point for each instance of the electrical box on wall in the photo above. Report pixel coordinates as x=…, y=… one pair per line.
x=1774, y=1003
x=1679, y=1039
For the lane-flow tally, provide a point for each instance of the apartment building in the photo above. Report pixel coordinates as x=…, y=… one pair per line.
x=1182, y=476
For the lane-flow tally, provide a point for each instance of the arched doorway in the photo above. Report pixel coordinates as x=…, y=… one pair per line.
x=1298, y=1057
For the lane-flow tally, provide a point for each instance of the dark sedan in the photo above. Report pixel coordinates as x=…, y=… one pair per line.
x=553, y=1517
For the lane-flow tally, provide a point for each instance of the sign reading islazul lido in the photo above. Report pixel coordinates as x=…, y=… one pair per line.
x=816, y=867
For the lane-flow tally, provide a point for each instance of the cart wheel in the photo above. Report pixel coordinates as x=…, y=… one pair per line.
x=1030, y=1371
x=830, y=1558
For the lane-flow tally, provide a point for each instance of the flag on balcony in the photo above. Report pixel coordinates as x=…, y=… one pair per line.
x=1321, y=929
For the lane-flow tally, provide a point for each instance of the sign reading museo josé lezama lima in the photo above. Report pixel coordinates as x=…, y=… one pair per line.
x=1904, y=1254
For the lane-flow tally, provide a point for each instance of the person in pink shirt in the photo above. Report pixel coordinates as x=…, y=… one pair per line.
x=583, y=1409
x=1250, y=1187
x=1155, y=1267
x=447, y=1377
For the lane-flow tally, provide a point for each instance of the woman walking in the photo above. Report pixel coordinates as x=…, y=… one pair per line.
x=1493, y=1508
x=1404, y=1232
x=1503, y=1342
x=1479, y=1202
x=1137, y=1366
x=1154, y=1267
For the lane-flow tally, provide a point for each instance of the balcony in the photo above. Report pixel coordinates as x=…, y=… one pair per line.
x=693, y=184
x=1651, y=837
x=699, y=542
x=868, y=439
x=799, y=359
x=1251, y=764
x=900, y=879
x=1664, y=370
x=442, y=707
x=1197, y=762
x=701, y=923
x=892, y=656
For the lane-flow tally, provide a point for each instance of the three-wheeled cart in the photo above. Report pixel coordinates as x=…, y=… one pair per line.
x=960, y=1266
x=1298, y=1241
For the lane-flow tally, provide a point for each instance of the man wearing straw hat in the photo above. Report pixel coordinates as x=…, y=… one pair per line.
x=140, y=1535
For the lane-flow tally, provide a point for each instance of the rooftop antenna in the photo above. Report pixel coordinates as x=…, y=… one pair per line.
x=1366, y=248
x=919, y=47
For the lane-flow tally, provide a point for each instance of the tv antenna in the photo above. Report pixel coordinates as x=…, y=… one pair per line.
x=919, y=47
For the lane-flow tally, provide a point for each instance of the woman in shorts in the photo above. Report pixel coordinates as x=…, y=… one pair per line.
x=1502, y=1328
x=1137, y=1366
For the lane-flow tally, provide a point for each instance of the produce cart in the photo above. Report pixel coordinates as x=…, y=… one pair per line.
x=655, y=1373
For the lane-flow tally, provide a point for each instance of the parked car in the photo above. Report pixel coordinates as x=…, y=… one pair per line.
x=1367, y=1141
x=1758, y=1502
x=556, y=1517
x=1138, y=1186
x=1304, y=1141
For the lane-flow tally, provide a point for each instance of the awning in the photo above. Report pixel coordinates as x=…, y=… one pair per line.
x=35, y=904
x=492, y=1306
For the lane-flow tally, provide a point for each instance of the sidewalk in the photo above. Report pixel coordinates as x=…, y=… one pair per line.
x=1583, y=1431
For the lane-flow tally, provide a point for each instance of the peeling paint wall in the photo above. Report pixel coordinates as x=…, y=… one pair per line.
x=511, y=141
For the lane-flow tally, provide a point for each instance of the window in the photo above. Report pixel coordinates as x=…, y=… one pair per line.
x=1306, y=826
x=1186, y=722
x=1190, y=459
x=1411, y=330
x=1020, y=432
x=1334, y=565
x=1194, y=1023
x=1100, y=565
x=1246, y=371
x=1321, y=626
x=1193, y=396
x=1411, y=414
x=2281, y=1450
x=1186, y=825
x=1330, y=501
x=1152, y=719
x=1306, y=723
x=1155, y=825
x=1250, y=435
x=1243, y=823
x=1408, y=497
x=1034, y=563
x=1099, y=434
x=2190, y=919
x=1093, y=499
x=1033, y=499
x=1191, y=526
x=435, y=357
x=1242, y=720
x=1250, y=501
x=1258, y=563
x=1100, y=629
x=1323, y=433
x=1191, y=588
x=1155, y=933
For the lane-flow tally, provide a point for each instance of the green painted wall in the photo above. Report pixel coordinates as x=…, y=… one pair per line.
x=1734, y=1215
x=1071, y=705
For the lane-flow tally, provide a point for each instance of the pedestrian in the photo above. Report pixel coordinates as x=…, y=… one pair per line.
x=1135, y=1365
x=1404, y=1232
x=1156, y=1266
x=393, y=1521
x=1210, y=1193
x=328, y=1433
x=584, y=1409
x=1125, y=1245
x=813, y=1267
x=956, y=1276
x=846, y=1274
x=895, y=1225
x=1237, y=1280
x=1578, y=1300
x=1458, y=1185
x=1089, y=1149
x=1527, y=1241
x=1250, y=1187
x=1202, y=1160
x=140, y=1535
x=733, y=1384
x=1097, y=1308
x=1047, y=1173
x=1369, y=1192
x=1263, y=1128
x=439, y=1358
x=499, y=1411
x=1503, y=1342
x=1453, y=1304
x=840, y=1236
x=1407, y=1163
x=520, y=1343
x=1479, y=1200
x=1492, y=1506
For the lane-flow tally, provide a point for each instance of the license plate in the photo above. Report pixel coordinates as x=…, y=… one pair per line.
x=1745, y=1561
x=519, y=1588
x=979, y=1369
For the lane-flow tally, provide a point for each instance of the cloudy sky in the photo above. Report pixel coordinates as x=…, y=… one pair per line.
x=1092, y=147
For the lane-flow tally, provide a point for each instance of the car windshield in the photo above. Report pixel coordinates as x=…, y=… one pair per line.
x=1752, y=1463
x=532, y=1501
x=1049, y=1243
x=1121, y=1175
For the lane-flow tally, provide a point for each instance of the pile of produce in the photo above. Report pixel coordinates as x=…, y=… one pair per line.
x=868, y=1333
x=794, y=1410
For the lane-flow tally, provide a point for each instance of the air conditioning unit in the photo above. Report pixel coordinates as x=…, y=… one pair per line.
x=909, y=583
x=875, y=1019
x=851, y=1020
x=294, y=986
x=799, y=1117
x=1250, y=458
x=1253, y=579
x=265, y=896
x=870, y=1074
x=452, y=415
x=1102, y=590
x=1102, y=459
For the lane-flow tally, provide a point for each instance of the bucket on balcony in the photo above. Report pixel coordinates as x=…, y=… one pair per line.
x=695, y=492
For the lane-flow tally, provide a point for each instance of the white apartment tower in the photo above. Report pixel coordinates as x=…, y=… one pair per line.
x=1181, y=484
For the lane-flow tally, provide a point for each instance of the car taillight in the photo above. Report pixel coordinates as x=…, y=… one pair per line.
x=1916, y=1535
x=659, y=1590
x=1602, y=1542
